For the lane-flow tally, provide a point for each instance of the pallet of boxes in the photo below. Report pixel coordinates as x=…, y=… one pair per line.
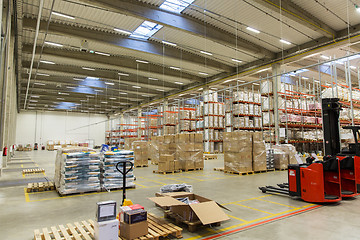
x=244, y=152
x=284, y=154
x=141, y=153
x=167, y=150
x=153, y=149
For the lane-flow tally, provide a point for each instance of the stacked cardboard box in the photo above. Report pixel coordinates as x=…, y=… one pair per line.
x=167, y=163
x=238, y=151
x=141, y=153
x=154, y=149
x=290, y=152
x=189, y=150
x=128, y=143
x=258, y=152
x=280, y=159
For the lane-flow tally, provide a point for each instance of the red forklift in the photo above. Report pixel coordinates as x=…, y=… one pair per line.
x=334, y=177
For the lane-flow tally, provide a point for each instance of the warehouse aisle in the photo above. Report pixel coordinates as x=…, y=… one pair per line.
x=250, y=209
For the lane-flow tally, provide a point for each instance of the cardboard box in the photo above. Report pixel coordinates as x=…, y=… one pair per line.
x=166, y=166
x=187, y=164
x=177, y=165
x=198, y=138
x=166, y=158
x=132, y=231
x=207, y=211
x=135, y=216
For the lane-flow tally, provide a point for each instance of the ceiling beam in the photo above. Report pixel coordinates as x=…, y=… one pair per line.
x=127, y=63
x=113, y=39
x=299, y=15
x=107, y=75
x=183, y=23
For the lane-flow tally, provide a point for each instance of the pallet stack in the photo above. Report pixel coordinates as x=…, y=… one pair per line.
x=110, y=177
x=77, y=170
x=189, y=151
x=141, y=153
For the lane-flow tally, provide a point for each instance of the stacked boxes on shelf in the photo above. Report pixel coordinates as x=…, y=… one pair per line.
x=189, y=151
x=214, y=125
x=270, y=164
x=141, y=153
x=167, y=163
x=238, y=151
x=110, y=177
x=166, y=153
x=153, y=149
x=187, y=119
x=77, y=170
x=170, y=120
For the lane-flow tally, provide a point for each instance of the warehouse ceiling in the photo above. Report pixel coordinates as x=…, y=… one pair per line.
x=105, y=56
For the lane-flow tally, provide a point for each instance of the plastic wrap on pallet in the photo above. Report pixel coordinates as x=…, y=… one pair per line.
x=257, y=97
x=141, y=153
x=77, y=171
x=206, y=121
x=221, y=109
x=251, y=109
x=228, y=119
x=266, y=87
x=111, y=178
x=176, y=188
x=200, y=124
x=154, y=150
x=246, y=122
x=290, y=152
x=268, y=118
x=280, y=159
x=216, y=108
x=267, y=103
x=258, y=152
x=221, y=122
x=237, y=148
x=216, y=121
x=250, y=96
x=211, y=121
x=189, y=150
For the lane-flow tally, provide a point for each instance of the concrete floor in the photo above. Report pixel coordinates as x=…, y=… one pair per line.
x=254, y=215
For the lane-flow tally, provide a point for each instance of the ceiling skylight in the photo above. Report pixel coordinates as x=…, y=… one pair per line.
x=146, y=30
x=176, y=5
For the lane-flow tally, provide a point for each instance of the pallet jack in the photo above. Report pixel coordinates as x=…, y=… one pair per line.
x=123, y=164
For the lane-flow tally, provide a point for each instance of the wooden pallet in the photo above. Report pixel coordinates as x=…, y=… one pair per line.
x=33, y=171
x=137, y=166
x=234, y=172
x=210, y=157
x=85, y=230
x=192, y=169
x=261, y=171
x=280, y=169
x=40, y=187
x=192, y=226
x=76, y=193
x=167, y=172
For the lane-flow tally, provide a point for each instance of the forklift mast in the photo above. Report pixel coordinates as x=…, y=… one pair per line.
x=331, y=126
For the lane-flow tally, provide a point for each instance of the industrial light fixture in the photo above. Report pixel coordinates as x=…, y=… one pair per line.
x=160, y=90
x=175, y=68
x=256, y=84
x=54, y=44
x=31, y=100
x=202, y=73
x=43, y=74
x=101, y=53
x=236, y=60
x=305, y=78
x=136, y=86
x=60, y=98
x=89, y=96
x=325, y=57
x=200, y=89
x=252, y=30
x=47, y=62
x=169, y=43
x=40, y=84
x=123, y=74
x=78, y=79
x=112, y=98
x=263, y=70
x=141, y=61
x=61, y=93
x=144, y=95
x=70, y=87
x=30, y=107
x=63, y=15
x=241, y=81
x=207, y=53
x=180, y=83
x=83, y=100
x=104, y=102
x=109, y=83
x=114, y=106
x=228, y=80
x=35, y=96
x=101, y=112
x=155, y=79
x=352, y=67
x=122, y=31
x=284, y=41
x=86, y=68
x=122, y=93
x=91, y=108
x=98, y=90
x=32, y=104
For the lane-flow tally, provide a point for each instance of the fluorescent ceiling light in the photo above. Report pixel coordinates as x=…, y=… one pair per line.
x=325, y=57
x=352, y=67
x=31, y=100
x=160, y=90
x=123, y=74
x=59, y=98
x=70, y=87
x=144, y=95
x=263, y=70
x=40, y=84
x=112, y=98
x=30, y=107
x=54, y=44
x=207, y=53
x=89, y=96
x=78, y=79
x=122, y=31
x=63, y=15
x=200, y=89
x=109, y=83
x=236, y=60
x=311, y=55
x=305, y=78
x=98, y=90
x=101, y=53
x=241, y=81
x=114, y=106
x=146, y=30
x=317, y=81
x=86, y=68
x=104, y=102
x=182, y=94
x=175, y=68
x=91, y=108
x=83, y=100
x=256, y=84
x=136, y=86
x=122, y=93
x=339, y=62
x=32, y=104
x=35, y=96
x=252, y=30
x=47, y=62
x=43, y=74
x=284, y=41
x=228, y=80
x=61, y=93
x=169, y=43
x=155, y=79
x=180, y=83
x=202, y=73
x=141, y=61
x=101, y=112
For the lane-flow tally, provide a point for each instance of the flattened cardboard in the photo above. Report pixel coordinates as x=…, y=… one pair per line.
x=202, y=211
x=166, y=201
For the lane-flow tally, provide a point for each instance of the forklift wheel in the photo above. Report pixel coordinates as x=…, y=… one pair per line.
x=262, y=189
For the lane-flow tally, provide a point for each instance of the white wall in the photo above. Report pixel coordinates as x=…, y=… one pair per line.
x=36, y=126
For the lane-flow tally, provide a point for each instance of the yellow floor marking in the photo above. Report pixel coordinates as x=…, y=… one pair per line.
x=140, y=185
x=26, y=195
x=244, y=200
x=22, y=166
x=255, y=209
x=153, y=180
x=212, y=231
x=31, y=193
x=23, y=175
x=237, y=218
x=276, y=203
x=201, y=180
x=174, y=179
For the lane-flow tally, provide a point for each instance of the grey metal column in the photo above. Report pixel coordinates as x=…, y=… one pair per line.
x=276, y=88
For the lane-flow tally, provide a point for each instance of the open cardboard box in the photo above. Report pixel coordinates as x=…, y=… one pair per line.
x=207, y=211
